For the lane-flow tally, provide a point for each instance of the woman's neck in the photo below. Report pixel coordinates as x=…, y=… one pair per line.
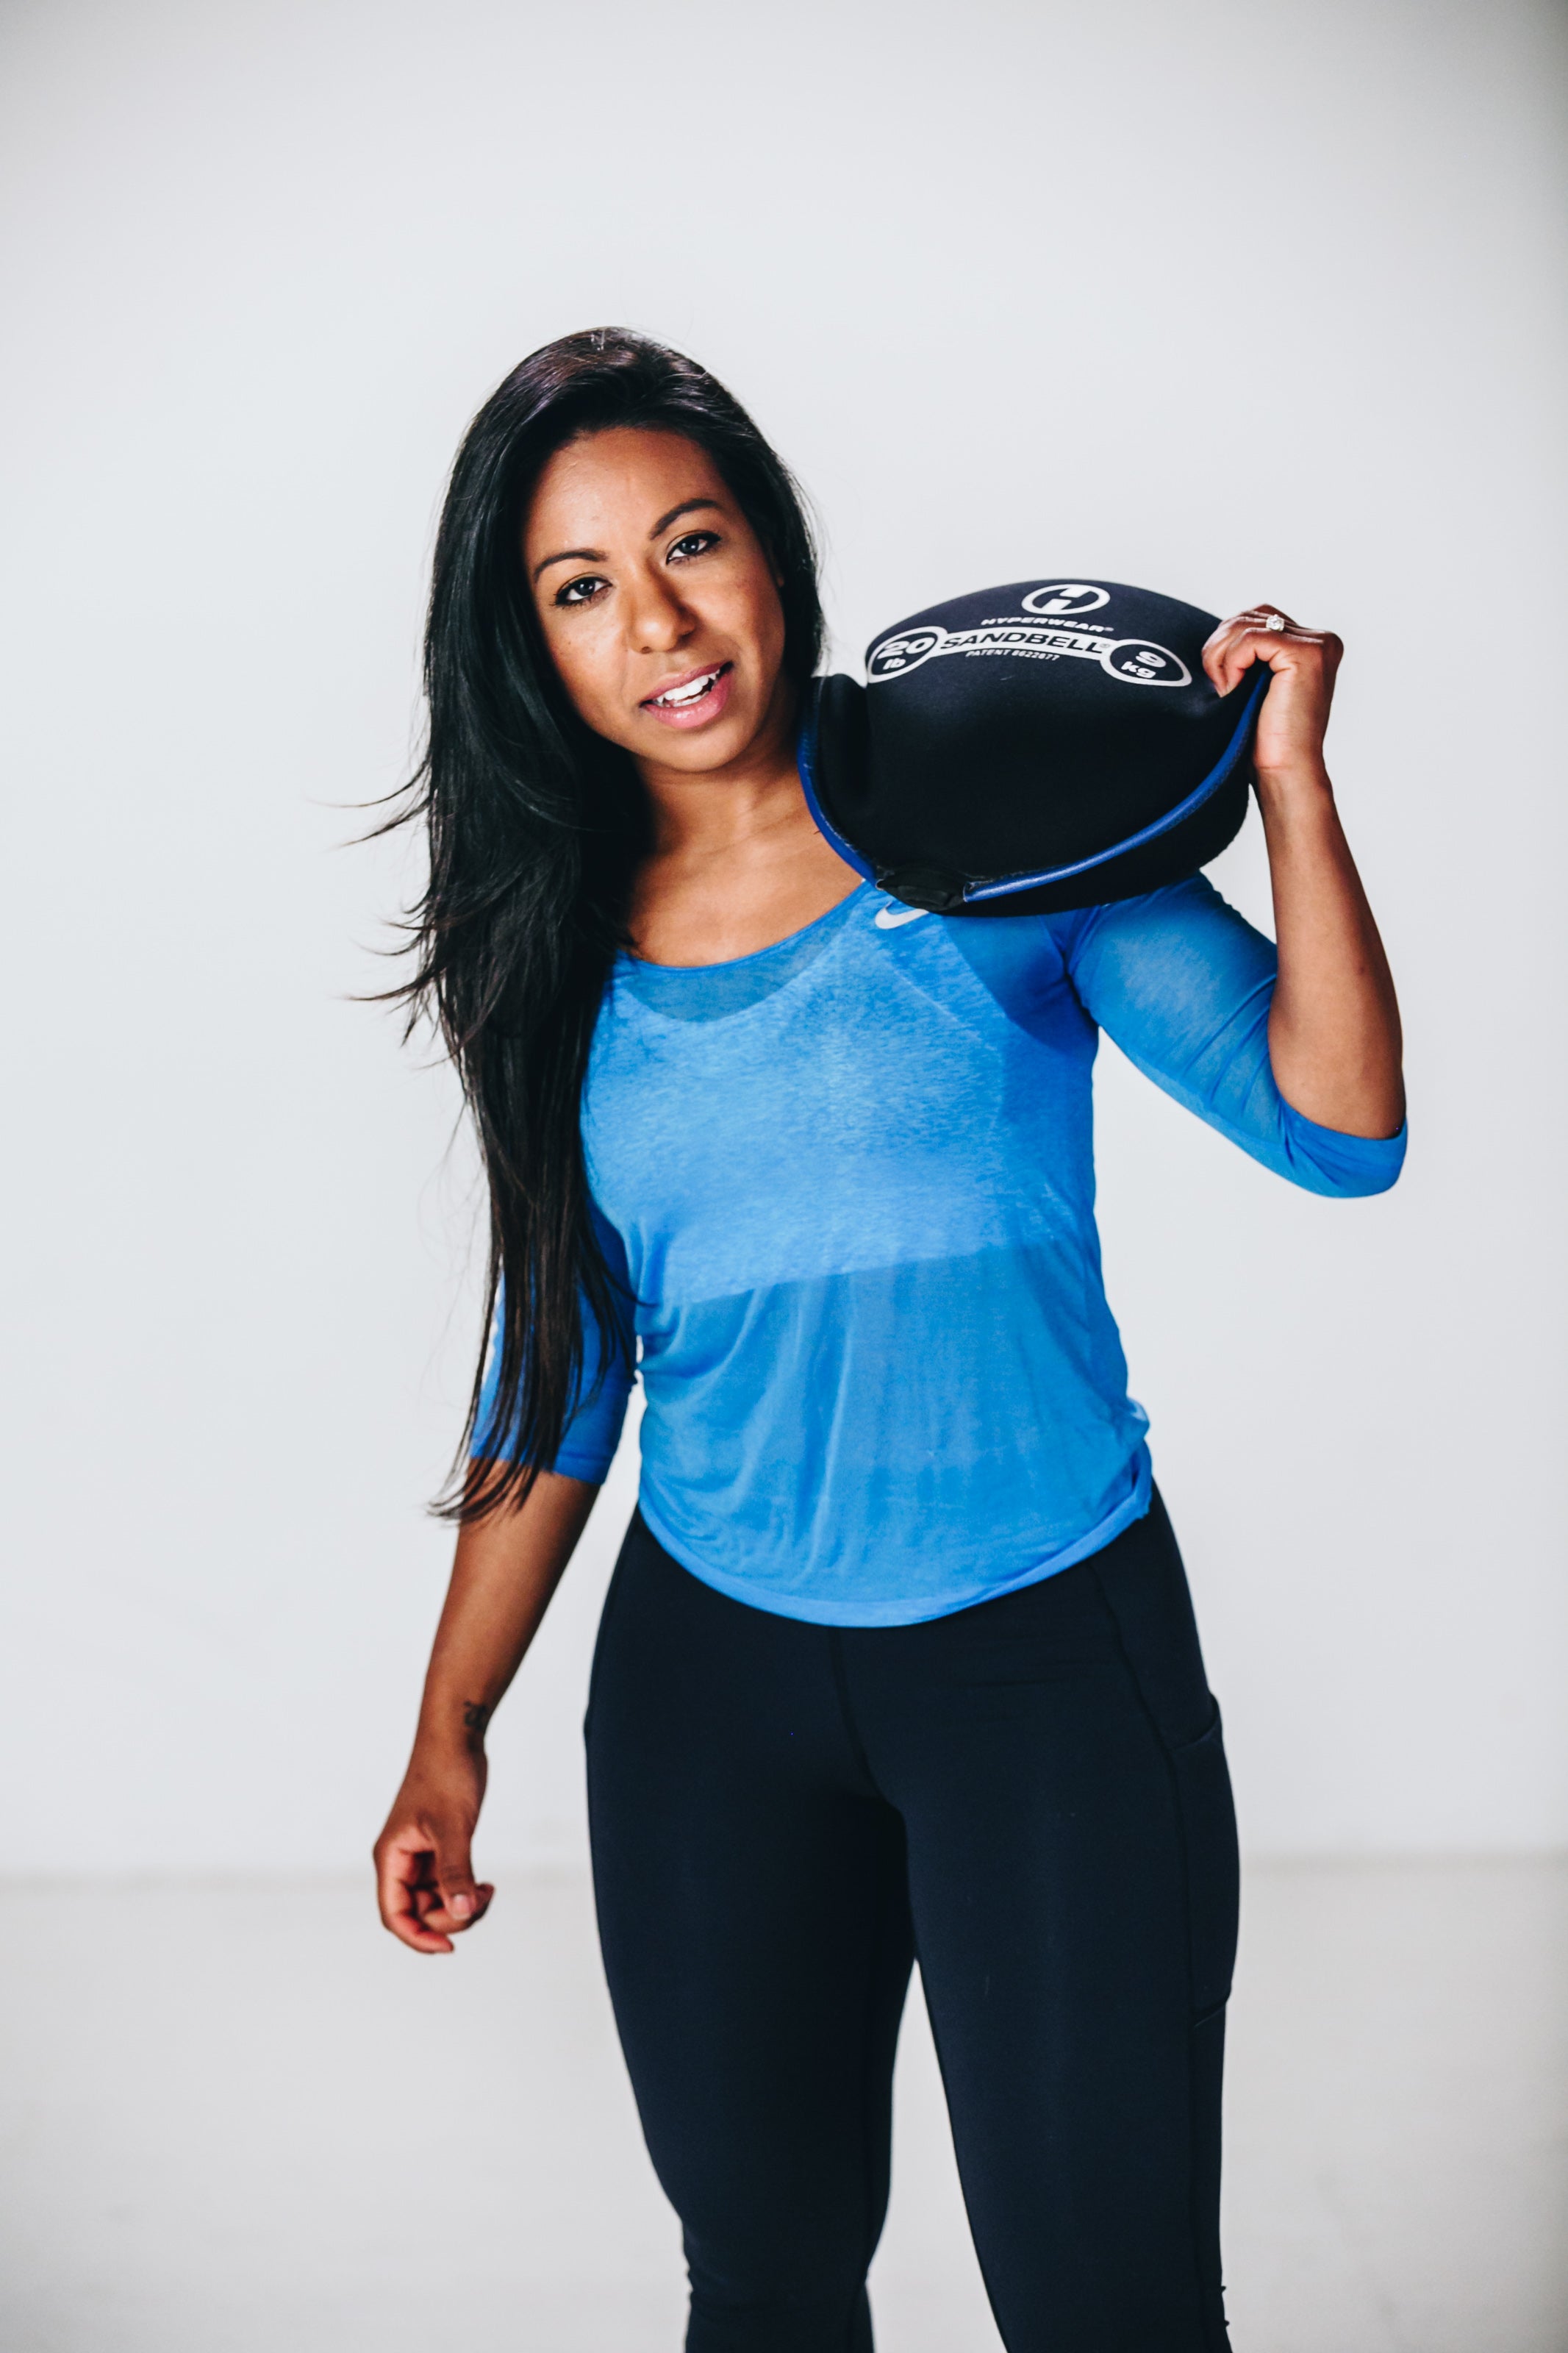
x=737, y=861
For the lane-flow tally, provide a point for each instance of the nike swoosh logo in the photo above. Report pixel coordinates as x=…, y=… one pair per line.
x=888, y=919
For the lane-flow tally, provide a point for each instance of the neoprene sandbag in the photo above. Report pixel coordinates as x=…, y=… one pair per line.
x=1022, y=750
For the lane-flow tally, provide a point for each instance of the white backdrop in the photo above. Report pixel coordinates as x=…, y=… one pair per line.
x=1235, y=300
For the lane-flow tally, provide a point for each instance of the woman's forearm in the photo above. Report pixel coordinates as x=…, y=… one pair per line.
x=506, y=1568
x=1333, y=1032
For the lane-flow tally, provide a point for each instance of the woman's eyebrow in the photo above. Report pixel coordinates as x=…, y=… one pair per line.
x=572, y=556
x=687, y=506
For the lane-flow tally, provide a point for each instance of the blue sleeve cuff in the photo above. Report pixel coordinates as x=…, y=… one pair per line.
x=1325, y=1161
x=590, y=1444
x=593, y=1471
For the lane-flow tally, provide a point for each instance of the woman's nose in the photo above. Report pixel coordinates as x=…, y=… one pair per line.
x=658, y=620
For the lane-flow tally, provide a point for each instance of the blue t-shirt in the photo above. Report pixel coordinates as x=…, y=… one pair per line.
x=849, y=1183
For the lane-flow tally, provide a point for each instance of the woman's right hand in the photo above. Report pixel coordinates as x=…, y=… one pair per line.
x=424, y=1874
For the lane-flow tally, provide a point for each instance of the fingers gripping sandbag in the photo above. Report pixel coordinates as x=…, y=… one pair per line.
x=1055, y=744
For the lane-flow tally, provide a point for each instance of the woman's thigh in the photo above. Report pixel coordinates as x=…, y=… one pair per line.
x=754, y=1923
x=1055, y=1756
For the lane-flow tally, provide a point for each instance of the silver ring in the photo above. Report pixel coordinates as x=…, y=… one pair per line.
x=1275, y=621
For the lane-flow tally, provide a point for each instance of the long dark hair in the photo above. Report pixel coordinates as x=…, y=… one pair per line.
x=536, y=827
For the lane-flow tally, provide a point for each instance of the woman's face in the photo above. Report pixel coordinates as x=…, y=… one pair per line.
x=658, y=604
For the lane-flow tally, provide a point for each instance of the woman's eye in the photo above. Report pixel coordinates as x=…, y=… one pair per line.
x=582, y=591
x=696, y=543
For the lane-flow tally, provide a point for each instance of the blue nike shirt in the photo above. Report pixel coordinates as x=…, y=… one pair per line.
x=848, y=1183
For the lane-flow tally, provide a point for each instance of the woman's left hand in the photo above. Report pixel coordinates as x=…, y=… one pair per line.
x=1295, y=713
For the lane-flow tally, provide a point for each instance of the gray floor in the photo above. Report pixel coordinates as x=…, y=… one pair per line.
x=241, y=2119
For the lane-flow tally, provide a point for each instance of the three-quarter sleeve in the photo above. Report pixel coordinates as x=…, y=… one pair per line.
x=1183, y=984
x=598, y=1408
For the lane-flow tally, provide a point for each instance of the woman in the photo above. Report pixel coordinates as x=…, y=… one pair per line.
x=898, y=1657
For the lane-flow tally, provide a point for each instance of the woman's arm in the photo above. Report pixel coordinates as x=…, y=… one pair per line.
x=1333, y=1027
x=506, y=1569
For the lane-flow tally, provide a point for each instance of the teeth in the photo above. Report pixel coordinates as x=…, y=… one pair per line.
x=688, y=693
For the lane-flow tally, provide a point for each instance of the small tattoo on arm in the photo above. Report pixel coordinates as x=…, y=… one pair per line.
x=475, y=1716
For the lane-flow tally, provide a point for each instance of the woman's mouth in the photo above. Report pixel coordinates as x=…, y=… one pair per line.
x=694, y=700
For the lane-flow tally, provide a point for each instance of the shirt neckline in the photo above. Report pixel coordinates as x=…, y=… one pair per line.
x=739, y=964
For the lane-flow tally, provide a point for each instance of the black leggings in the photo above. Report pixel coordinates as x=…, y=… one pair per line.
x=1031, y=1797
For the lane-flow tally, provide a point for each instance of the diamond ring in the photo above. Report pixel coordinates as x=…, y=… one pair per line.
x=1275, y=621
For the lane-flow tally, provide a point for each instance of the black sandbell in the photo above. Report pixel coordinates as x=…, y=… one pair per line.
x=1021, y=750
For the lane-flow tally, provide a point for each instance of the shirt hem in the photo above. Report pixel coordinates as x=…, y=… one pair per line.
x=811, y=1610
